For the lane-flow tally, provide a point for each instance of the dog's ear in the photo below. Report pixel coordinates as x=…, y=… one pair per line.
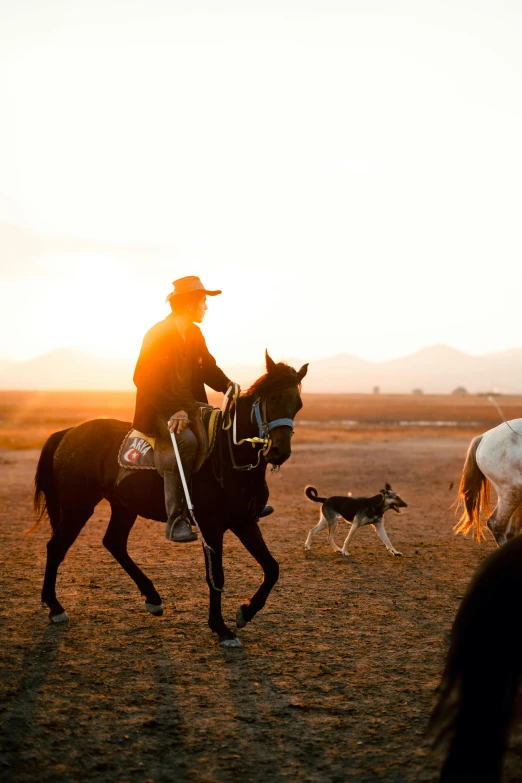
x=387, y=487
x=383, y=492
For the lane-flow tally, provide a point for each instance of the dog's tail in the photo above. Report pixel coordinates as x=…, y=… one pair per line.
x=311, y=494
x=473, y=497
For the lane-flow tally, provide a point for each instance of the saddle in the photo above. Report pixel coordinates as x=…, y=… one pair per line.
x=137, y=449
x=205, y=425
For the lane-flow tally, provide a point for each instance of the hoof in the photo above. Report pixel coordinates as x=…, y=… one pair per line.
x=63, y=617
x=154, y=609
x=241, y=620
x=230, y=642
x=397, y=554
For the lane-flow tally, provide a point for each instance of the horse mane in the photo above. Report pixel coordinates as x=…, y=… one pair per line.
x=281, y=376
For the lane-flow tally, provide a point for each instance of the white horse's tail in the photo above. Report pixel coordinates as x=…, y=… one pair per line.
x=473, y=497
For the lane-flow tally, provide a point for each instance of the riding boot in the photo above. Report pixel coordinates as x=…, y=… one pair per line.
x=178, y=524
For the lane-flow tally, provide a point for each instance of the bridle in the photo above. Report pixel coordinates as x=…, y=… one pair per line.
x=265, y=427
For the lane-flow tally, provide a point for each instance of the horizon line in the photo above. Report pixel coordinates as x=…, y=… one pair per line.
x=413, y=393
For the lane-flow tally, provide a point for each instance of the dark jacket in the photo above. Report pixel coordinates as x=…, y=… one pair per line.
x=171, y=374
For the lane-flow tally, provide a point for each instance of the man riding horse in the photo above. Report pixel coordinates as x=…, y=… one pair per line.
x=172, y=369
x=80, y=466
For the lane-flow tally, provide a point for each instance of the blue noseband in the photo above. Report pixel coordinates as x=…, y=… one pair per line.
x=266, y=427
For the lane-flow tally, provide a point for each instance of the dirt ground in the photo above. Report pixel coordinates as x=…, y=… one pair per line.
x=337, y=675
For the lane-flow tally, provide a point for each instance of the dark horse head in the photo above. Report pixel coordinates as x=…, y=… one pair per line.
x=278, y=392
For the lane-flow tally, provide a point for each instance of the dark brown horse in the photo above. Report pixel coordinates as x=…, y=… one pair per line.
x=78, y=467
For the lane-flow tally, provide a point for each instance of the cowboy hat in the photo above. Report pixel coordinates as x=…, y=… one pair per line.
x=188, y=285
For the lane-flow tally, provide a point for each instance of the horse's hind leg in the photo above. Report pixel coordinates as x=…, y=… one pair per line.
x=115, y=540
x=64, y=535
x=253, y=541
x=499, y=519
x=515, y=524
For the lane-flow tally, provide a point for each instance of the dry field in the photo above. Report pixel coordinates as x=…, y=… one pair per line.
x=28, y=418
x=337, y=675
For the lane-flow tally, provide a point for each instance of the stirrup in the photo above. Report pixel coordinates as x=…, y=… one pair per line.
x=180, y=531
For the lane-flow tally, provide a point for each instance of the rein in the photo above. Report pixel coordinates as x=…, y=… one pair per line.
x=264, y=427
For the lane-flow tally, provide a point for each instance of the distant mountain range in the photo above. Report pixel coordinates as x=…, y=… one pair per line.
x=437, y=369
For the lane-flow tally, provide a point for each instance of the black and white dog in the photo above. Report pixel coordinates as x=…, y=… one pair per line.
x=358, y=511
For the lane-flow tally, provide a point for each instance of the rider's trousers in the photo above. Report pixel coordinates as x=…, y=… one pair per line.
x=168, y=468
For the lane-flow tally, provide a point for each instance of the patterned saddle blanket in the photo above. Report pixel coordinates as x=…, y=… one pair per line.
x=137, y=449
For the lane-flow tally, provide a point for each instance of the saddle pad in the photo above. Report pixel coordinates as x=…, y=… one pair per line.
x=137, y=451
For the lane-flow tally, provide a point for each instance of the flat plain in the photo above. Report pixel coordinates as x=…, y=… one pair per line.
x=338, y=674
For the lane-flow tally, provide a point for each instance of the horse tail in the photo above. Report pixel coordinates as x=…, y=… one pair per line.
x=311, y=494
x=473, y=497
x=45, y=490
x=474, y=694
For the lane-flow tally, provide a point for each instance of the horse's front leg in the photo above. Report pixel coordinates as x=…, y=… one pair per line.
x=216, y=582
x=252, y=539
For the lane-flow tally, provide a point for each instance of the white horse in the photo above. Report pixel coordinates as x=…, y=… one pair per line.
x=494, y=457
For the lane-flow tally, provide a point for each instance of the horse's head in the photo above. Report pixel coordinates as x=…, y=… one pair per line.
x=279, y=398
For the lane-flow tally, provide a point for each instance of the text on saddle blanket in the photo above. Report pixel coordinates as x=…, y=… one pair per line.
x=137, y=451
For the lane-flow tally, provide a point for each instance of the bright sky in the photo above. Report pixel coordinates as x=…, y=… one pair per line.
x=349, y=173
